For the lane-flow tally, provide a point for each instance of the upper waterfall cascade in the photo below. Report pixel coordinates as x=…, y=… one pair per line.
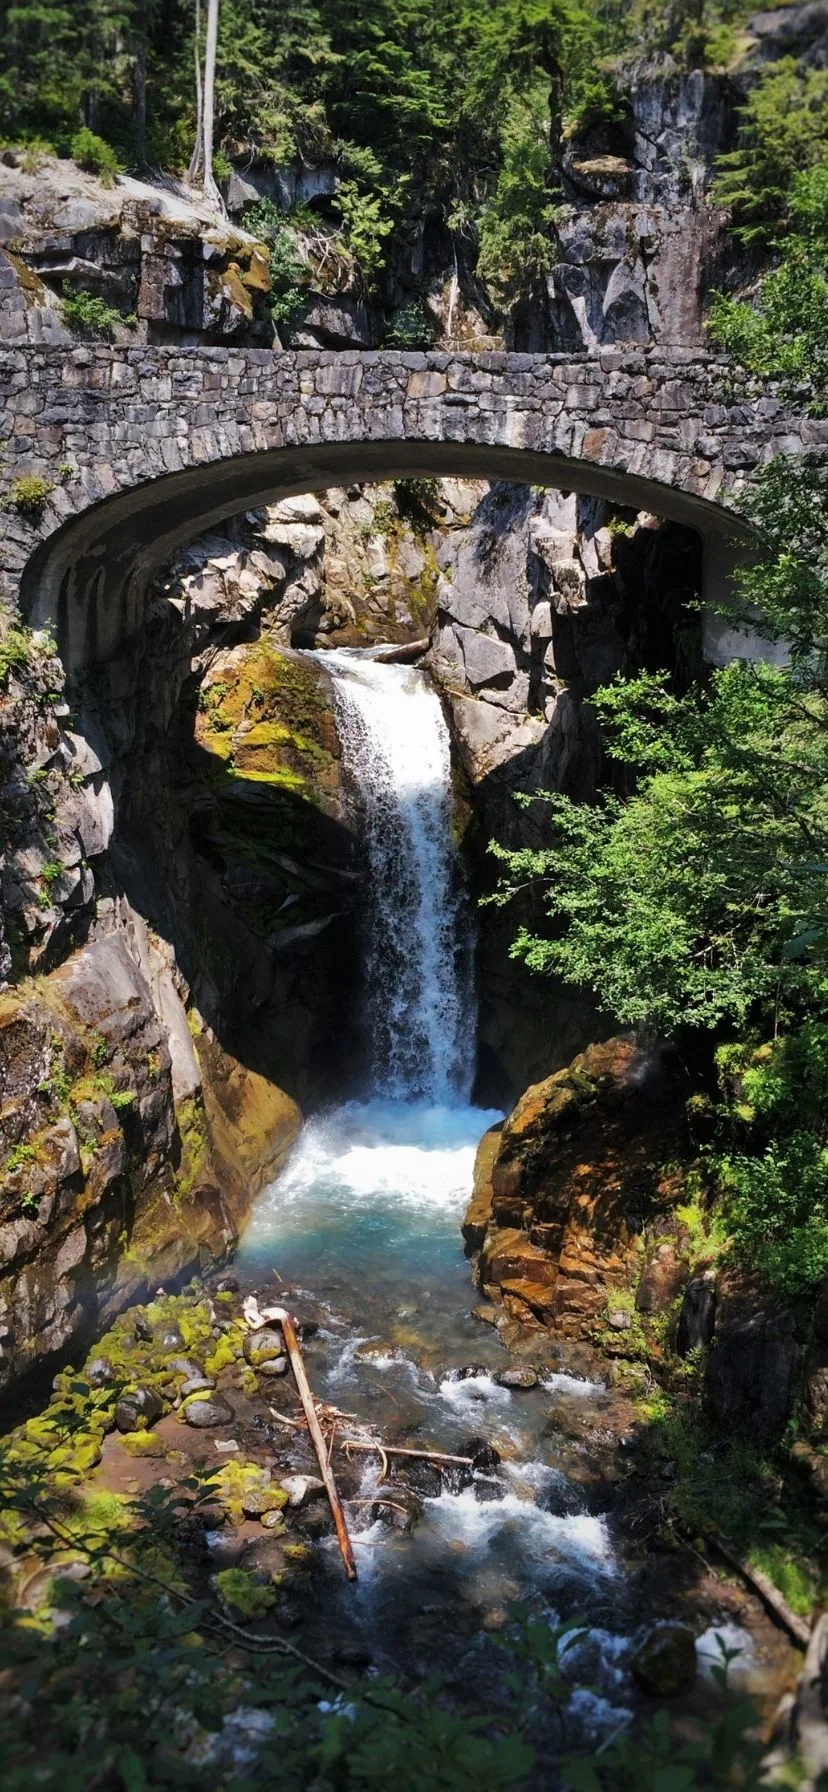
x=418, y=970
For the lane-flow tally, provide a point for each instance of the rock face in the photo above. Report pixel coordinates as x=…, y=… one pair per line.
x=162, y=260
x=98, y=1155
x=574, y=1180
x=752, y=1369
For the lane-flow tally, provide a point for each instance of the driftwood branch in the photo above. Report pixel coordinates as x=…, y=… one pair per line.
x=797, y=1627
x=256, y=1318
x=385, y=1450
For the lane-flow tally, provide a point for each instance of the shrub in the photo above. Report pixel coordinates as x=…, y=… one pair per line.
x=29, y=493
x=265, y=221
x=410, y=327
x=86, y=311
x=96, y=156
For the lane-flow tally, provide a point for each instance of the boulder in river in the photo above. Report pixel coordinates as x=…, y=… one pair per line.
x=301, y=1489
x=520, y=1379
x=664, y=1662
x=207, y=1410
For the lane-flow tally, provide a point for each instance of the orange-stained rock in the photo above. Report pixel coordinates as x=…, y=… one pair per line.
x=567, y=1189
x=479, y=1210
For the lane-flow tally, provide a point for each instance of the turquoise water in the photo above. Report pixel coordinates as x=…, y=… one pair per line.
x=363, y=1231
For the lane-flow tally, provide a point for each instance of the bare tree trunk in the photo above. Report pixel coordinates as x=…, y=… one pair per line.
x=208, y=183
x=196, y=163
x=139, y=84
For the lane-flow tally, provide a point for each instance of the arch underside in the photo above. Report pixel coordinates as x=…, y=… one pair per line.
x=89, y=579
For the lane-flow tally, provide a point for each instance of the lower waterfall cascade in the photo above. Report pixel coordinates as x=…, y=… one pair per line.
x=362, y=1230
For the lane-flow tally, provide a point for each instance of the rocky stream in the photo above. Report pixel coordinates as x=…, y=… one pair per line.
x=550, y=1510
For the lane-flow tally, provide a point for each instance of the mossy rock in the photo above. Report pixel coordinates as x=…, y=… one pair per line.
x=242, y=1594
x=144, y=1443
x=266, y=717
x=245, y=1490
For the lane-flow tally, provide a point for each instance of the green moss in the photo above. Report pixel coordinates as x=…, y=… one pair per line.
x=29, y=493
x=244, y=1486
x=195, y=1145
x=143, y=1443
x=242, y=1594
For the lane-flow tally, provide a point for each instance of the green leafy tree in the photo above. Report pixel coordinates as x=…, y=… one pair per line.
x=783, y=332
x=783, y=131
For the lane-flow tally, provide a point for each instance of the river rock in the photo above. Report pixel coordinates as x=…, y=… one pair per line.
x=664, y=1663
x=520, y=1379
x=483, y=1454
x=143, y=1329
x=138, y=1410
x=262, y=1347
x=301, y=1489
x=398, y=1508
x=99, y=1372
x=276, y=1366
x=204, y=1413
x=196, y=1384
x=183, y=1365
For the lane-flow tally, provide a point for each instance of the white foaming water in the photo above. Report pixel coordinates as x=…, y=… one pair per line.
x=578, y=1537
x=410, y=1153
x=395, y=747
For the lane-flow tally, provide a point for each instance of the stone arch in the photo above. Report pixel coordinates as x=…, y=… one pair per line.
x=88, y=579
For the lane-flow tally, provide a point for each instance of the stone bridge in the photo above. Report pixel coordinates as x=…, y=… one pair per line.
x=142, y=448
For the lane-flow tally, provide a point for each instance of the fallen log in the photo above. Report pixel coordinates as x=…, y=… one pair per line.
x=401, y=653
x=256, y=1318
x=358, y=1443
x=797, y=1627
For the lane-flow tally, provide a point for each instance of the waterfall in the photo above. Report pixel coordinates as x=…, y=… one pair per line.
x=417, y=947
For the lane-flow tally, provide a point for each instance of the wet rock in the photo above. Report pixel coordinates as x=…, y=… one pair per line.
x=520, y=1379
x=171, y=1339
x=139, y=1410
x=425, y=1479
x=301, y=1489
x=276, y=1366
x=664, y=1663
x=470, y=1372
x=262, y=1347
x=697, y=1319
x=488, y=1315
x=273, y=1520
x=143, y=1329
x=207, y=1412
x=227, y=1285
x=483, y=1454
x=398, y=1508
x=479, y=1210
